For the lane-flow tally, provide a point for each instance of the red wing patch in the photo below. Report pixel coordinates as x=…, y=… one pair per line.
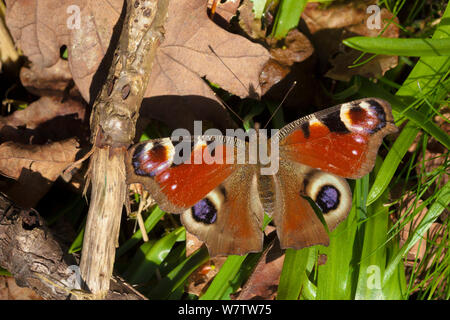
x=343, y=140
x=176, y=186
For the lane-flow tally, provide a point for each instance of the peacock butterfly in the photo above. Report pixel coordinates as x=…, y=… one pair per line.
x=223, y=202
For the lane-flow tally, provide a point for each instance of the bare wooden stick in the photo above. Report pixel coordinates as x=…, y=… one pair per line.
x=113, y=123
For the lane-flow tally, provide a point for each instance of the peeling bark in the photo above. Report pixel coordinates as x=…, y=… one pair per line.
x=113, y=123
x=38, y=259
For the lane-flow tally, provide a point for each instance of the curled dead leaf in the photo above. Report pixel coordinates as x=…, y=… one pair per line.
x=294, y=48
x=48, y=160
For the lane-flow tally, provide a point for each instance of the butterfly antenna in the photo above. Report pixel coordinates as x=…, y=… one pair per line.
x=279, y=106
x=243, y=85
x=229, y=108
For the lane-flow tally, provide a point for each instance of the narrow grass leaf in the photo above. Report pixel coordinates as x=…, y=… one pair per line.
x=293, y=274
x=78, y=242
x=4, y=272
x=400, y=47
x=288, y=16
x=373, y=255
x=150, y=256
x=178, y=276
x=392, y=161
x=223, y=280
x=151, y=221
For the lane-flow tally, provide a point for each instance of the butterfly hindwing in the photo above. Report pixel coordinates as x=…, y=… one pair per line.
x=297, y=224
x=229, y=219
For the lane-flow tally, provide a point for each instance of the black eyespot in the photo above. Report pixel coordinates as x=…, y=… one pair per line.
x=204, y=211
x=328, y=198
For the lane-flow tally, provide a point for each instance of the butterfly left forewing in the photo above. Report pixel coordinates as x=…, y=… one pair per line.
x=175, y=186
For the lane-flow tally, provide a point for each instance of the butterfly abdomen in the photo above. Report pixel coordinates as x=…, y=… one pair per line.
x=266, y=187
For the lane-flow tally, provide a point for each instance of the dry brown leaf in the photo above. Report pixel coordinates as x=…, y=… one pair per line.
x=34, y=167
x=48, y=160
x=226, y=9
x=291, y=60
x=52, y=81
x=294, y=48
x=263, y=283
x=47, y=119
x=328, y=27
x=184, y=57
x=201, y=278
x=40, y=29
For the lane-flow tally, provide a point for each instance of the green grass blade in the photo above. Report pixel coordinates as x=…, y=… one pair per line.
x=151, y=255
x=221, y=282
x=293, y=274
x=288, y=16
x=149, y=224
x=373, y=256
x=178, y=276
x=392, y=161
x=400, y=47
x=242, y=275
x=77, y=243
x=429, y=71
x=4, y=272
x=426, y=75
x=336, y=278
